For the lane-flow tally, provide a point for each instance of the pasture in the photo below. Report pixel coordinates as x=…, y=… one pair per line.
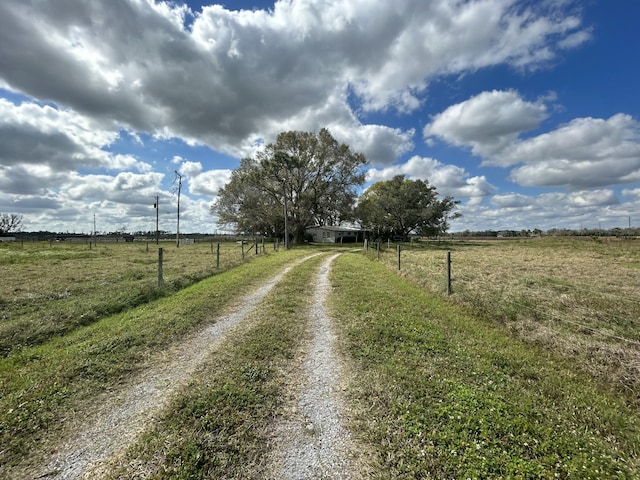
x=579, y=298
x=530, y=369
x=49, y=289
x=441, y=392
x=48, y=379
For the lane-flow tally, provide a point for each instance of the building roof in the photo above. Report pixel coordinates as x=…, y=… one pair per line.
x=332, y=228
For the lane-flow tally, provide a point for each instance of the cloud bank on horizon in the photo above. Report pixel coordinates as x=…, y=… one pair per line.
x=101, y=103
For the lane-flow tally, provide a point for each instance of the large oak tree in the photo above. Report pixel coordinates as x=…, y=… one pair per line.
x=303, y=179
x=397, y=207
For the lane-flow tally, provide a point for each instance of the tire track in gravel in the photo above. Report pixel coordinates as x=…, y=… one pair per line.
x=314, y=443
x=121, y=418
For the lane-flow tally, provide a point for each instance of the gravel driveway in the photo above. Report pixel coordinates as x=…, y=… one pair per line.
x=312, y=444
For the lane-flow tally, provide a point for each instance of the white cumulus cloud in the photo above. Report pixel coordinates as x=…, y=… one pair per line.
x=449, y=180
x=487, y=123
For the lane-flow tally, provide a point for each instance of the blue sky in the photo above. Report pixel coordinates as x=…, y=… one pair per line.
x=527, y=112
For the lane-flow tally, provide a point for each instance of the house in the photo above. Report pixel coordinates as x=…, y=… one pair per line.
x=331, y=234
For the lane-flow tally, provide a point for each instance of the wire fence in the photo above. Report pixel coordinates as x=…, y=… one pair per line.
x=50, y=288
x=578, y=298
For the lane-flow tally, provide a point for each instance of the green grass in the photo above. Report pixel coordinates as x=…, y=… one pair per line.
x=436, y=389
x=221, y=424
x=51, y=289
x=578, y=298
x=441, y=393
x=39, y=384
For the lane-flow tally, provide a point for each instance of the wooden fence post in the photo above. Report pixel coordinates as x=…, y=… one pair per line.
x=160, y=279
x=399, y=257
x=242, y=243
x=449, y=273
x=218, y=256
x=378, y=248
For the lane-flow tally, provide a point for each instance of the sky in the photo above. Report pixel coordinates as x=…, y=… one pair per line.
x=526, y=112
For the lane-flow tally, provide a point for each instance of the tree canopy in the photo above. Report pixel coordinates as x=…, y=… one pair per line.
x=397, y=207
x=310, y=176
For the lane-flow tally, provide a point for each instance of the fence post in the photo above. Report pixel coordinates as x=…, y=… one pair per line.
x=255, y=244
x=366, y=246
x=378, y=248
x=398, y=257
x=242, y=243
x=218, y=256
x=160, y=279
x=448, y=272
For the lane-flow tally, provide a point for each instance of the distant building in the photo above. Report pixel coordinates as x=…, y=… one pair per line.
x=7, y=239
x=330, y=234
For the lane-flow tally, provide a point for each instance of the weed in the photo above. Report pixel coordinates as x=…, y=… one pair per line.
x=567, y=295
x=40, y=385
x=441, y=393
x=50, y=290
x=220, y=425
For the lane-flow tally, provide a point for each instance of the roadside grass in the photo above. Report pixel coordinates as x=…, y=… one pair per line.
x=578, y=298
x=220, y=425
x=439, y=392
x=42, y=386
x=49, y=289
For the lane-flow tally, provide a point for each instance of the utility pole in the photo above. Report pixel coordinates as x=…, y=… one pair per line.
x=157, y=207
x=286, y=221
x=179, y=178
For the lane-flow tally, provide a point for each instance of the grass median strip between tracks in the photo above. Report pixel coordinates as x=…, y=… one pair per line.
x=220, y=424
x=41, y=387
x=440, y=393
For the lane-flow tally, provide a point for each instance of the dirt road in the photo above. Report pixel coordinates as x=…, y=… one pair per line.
x=314, y=443
x=311, y=444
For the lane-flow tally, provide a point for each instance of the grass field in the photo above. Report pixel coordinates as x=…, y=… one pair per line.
x=579, y=298
x=439, y=392
x=529, y=370
x=40, y=384
x=49, y=289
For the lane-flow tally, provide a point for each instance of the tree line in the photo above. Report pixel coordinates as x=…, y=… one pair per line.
x=310, y=179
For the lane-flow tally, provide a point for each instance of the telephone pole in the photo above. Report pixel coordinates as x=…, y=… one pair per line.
x=157, y=207
x=179, y=178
